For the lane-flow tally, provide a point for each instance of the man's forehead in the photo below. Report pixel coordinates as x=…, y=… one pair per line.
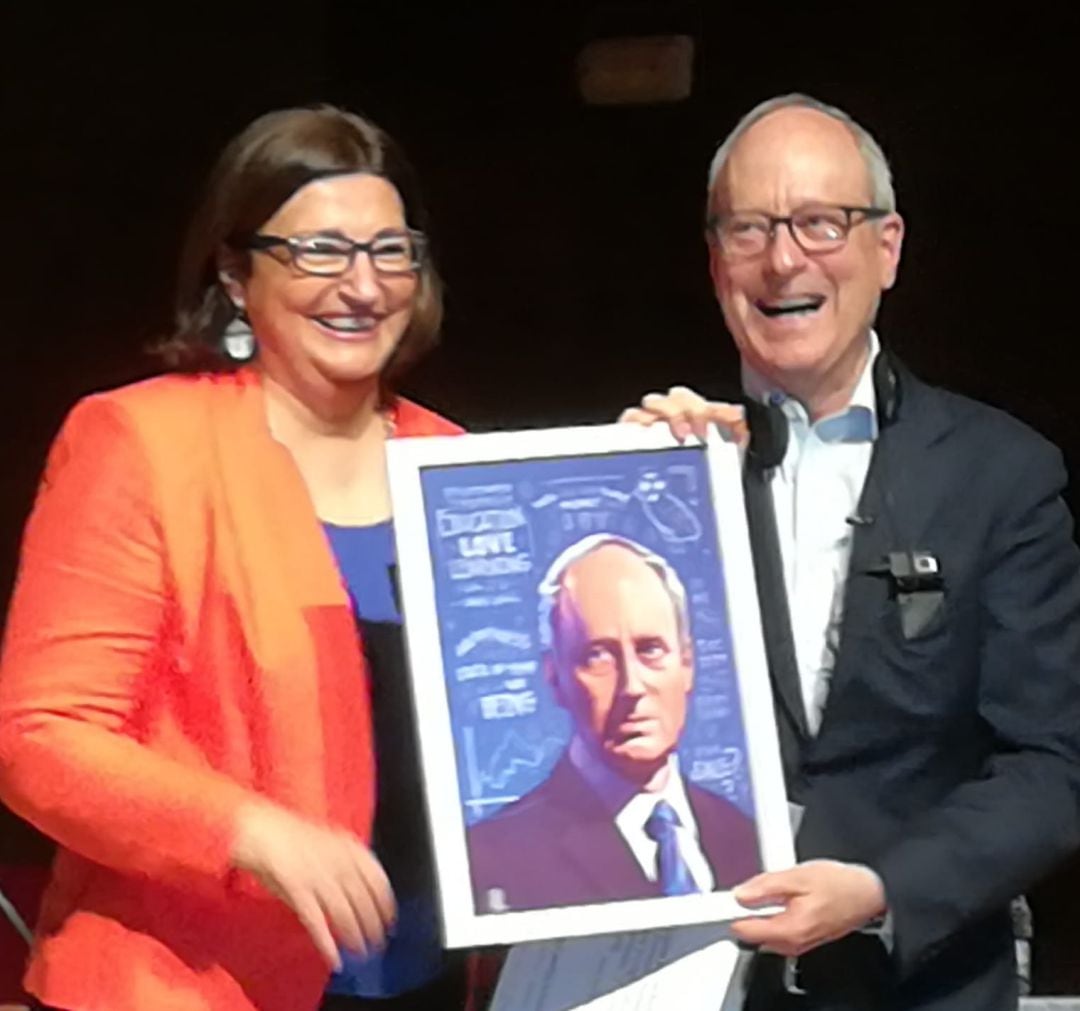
x=611, y=588
x=793, y=156
x=612, y=582
x=604, y=567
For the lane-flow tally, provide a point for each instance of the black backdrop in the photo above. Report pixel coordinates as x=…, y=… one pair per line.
x=569, y=236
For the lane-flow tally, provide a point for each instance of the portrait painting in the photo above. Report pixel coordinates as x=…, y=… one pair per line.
x=585, y=648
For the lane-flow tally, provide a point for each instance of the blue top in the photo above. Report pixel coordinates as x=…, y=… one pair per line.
x=414, y=955
x=366, y=560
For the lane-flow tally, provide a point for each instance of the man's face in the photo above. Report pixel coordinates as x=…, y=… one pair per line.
x=801, y=319
x=619, y=666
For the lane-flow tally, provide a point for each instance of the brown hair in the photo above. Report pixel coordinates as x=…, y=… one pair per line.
x=257, y=172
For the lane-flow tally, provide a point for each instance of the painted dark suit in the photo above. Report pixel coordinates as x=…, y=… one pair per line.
x=558, y=846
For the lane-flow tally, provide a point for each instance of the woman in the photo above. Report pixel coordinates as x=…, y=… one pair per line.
x=186, y=705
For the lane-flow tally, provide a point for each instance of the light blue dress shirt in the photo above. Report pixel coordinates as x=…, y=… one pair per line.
x=815, y=490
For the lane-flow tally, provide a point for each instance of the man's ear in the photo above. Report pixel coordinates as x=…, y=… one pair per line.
x=890, y=242
x=716, y=261
x=687, y=657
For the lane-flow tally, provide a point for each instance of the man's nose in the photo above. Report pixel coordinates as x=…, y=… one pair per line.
x=784, y=255
x=634, y=674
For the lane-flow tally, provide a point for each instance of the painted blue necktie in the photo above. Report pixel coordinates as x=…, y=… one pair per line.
x=675, y=876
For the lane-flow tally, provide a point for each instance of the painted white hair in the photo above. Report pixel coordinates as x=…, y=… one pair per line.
x=551, y=586
x=877, y=166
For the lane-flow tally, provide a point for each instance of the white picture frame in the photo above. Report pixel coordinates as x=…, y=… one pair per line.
x=478, y=520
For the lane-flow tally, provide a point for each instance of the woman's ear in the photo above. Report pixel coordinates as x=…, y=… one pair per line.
x=230, y=275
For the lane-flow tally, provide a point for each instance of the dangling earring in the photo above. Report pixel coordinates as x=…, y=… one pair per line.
x=238, y=340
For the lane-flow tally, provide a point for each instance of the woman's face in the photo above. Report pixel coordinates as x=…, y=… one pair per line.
x=319, y=334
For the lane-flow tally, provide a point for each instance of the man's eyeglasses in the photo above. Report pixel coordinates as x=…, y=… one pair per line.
x=817, y=228
x=332, y=255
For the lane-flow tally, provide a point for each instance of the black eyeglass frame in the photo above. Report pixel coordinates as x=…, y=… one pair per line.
x=714, y=222
x=265, y=242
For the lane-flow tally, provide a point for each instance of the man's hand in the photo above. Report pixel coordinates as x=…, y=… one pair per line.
x=326, y=876
x=824, y=900
x=687, y=412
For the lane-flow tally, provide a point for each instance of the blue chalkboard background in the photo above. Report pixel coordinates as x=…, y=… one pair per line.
x=494, y=529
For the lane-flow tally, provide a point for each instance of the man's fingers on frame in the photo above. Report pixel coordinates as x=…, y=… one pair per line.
x=687, y=397
x=637, y=416
x=727, y=414
x=662, y=405
x=752, y=932
x=783, y=934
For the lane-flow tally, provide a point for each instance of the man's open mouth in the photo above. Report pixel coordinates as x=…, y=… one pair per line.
x=800, y=305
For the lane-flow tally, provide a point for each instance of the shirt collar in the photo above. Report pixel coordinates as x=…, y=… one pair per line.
x=639, y=808
x=619, y=794
x=857, y=422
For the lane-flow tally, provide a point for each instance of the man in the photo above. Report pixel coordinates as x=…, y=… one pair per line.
x=927, y=698
x=615, y=819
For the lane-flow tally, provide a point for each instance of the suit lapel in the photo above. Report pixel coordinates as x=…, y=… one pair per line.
x=590, y=841
x=900, y=500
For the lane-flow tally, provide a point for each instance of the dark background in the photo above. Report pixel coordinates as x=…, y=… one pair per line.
x=569, y=236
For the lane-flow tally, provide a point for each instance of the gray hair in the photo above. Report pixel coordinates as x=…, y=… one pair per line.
x=551, y=586
x=877, y=166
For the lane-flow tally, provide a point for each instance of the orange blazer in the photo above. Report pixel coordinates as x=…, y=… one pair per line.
x=179, y=641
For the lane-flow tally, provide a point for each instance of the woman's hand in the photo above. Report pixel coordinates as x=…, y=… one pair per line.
x=330, y=879
x=689, y=413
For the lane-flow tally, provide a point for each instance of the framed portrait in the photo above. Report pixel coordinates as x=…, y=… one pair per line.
x=595, y=720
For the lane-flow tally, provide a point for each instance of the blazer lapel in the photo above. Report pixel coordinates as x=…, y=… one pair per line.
x=897, y=502
x=277, y=565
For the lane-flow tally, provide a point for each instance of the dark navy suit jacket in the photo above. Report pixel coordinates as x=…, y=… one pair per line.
x=948, y=757
x=559, y=846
